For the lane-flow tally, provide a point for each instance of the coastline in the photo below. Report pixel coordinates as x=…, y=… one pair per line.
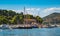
x=25, y=26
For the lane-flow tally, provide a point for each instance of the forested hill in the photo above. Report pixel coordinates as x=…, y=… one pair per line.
x=11, y=17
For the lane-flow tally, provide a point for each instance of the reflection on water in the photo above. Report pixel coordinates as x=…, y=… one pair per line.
x=31, y=32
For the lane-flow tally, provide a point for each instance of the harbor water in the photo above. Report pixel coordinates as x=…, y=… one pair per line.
x=30, y=32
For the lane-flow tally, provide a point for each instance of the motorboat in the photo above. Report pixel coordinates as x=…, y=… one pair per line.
x=4, y=26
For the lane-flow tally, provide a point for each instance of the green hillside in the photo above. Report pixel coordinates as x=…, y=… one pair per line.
x=11, y=17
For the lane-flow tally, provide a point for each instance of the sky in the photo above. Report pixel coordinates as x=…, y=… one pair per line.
x=35, y=7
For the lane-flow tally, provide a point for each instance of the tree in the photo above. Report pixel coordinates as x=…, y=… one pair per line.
x=11, y=17
x=17, y=19
x=3, y=20
x=39, y=19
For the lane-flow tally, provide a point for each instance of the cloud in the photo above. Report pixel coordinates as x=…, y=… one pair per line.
x=51, y=10
x=33, y=11
x=47, y=11
x=18, y=11
x=39, y=11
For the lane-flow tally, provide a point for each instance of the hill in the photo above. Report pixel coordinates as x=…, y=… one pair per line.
x=53, y=18
x=11, y=17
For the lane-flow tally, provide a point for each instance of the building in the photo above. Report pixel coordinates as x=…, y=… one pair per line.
x=29, y=21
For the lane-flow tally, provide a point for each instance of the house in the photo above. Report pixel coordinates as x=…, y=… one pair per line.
x=29, y=21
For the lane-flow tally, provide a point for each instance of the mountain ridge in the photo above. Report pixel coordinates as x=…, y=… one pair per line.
x=52, y=18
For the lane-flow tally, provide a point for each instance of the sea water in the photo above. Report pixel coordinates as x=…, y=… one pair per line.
x=30, y=32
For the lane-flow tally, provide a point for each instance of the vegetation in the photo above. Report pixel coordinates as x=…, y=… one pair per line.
x=11, y=17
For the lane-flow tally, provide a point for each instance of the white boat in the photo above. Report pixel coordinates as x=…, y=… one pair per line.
x=4, y=26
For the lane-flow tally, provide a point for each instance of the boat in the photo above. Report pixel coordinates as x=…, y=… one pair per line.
x=34, y=26
x=51, y=26
x=4, y=26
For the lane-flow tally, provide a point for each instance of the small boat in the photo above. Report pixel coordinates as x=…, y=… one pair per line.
x=34, y=26
x=4, y=26
x=52, y=26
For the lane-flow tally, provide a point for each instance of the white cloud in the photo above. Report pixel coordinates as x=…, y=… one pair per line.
x=33, y=11
x=48, y=11
x=18, y=11
x=42, y=12
x=51, y=10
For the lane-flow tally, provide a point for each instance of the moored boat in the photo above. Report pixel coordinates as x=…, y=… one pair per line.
x=4, y=26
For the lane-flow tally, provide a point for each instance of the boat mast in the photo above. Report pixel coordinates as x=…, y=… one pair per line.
x=38, y=15
x=24, y=9
x=24, y=15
